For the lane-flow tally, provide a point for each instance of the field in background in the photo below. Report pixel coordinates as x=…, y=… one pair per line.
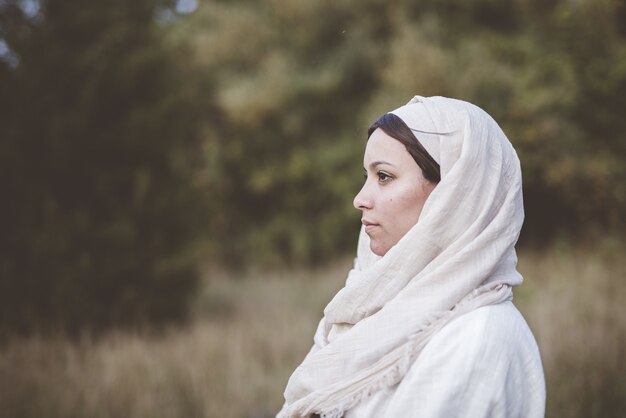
x=250, y=332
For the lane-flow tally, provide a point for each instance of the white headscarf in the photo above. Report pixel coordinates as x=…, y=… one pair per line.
x=459, y=256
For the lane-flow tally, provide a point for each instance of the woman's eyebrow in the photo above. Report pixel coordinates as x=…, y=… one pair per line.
x=377, y=163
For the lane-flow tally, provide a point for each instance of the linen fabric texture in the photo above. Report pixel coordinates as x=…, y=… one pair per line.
x=482, y=364
x=457, y=258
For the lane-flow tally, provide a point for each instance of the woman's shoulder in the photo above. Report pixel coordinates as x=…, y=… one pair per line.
x=485, y=361
x=500, y=328
x=492, y=343
x=482, y=364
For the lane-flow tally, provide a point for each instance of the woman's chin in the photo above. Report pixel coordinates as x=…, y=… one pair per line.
x=378, y=248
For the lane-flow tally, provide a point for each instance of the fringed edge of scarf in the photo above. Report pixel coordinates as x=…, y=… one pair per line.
x=406, y=355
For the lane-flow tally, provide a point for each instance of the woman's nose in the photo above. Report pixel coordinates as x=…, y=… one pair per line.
x=362, y=200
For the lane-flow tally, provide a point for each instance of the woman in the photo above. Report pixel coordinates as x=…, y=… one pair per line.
x=425, y=326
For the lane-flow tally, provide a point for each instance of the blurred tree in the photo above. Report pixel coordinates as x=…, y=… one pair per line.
x=282, y=92
x=100, y=136
x=299, y=81
x=292, y=78
x=573, y=87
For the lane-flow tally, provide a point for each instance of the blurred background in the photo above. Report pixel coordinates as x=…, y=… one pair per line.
x=177, y=181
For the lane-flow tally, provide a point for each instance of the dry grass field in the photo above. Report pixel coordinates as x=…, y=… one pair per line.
x=250, y=332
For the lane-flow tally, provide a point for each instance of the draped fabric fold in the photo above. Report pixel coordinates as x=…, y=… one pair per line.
x=458, y=257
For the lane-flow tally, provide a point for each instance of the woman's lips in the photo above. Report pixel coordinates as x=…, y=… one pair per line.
x=369, y=226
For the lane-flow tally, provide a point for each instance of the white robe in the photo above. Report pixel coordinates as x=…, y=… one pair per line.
x=482, y=364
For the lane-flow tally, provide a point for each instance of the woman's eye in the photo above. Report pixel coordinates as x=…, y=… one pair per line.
x=383, y=177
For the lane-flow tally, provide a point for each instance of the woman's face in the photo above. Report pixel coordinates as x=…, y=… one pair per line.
x=394, y=192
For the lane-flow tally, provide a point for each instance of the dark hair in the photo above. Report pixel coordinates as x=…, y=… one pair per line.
x=395, y=127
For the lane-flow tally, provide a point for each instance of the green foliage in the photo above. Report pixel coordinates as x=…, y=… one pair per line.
x=135, y=140
x=100, y=143
x=299, y=82
x=285, y=157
